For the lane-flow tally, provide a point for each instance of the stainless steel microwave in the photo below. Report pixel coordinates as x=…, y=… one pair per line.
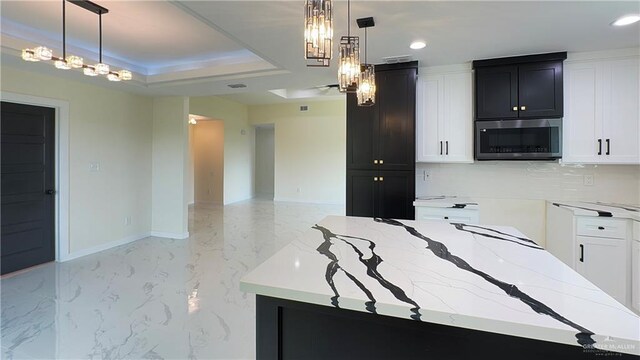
x=535, y=139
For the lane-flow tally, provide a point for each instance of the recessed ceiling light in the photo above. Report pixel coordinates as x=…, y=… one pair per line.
x=416, y=45
x=626, y=20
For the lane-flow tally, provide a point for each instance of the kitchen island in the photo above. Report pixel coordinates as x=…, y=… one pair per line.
x=377, y=288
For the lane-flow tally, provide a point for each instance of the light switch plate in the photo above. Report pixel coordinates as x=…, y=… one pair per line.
x=587, y=180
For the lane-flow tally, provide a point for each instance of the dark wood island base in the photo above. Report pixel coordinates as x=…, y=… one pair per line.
x=295, y=330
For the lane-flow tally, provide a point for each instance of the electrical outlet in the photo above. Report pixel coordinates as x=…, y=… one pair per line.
x=127, y=220
x=94, y=167
x=298, y=190
x=587, y=180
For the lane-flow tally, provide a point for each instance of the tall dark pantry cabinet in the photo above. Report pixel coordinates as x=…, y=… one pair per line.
x=381, y=168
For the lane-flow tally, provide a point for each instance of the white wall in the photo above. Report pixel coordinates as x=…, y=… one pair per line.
x=114, y=129
x=310, y=150
x=238, y=144
x=170, y=166
x=265, y=161
x=513, y=193
x=208, y=146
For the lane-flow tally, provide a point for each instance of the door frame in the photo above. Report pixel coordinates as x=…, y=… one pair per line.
x=61, y=167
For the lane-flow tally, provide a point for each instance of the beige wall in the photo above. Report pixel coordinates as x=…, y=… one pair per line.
x=208, y=146
x=170, y=167
x=238, y=143
x=310, y=150
x=113, y=128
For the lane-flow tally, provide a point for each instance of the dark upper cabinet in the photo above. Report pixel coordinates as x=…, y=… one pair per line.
x=383, y=136
x=381, y=146
x=540, y=90
x=380, y=193
x=396, y=119
x=497, y=92
x=522, y=87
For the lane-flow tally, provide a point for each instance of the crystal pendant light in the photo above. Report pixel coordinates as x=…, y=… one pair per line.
x=349, y=66
x=90, y=71
x=62, y=65
x=366, y=93
x=76, y=62
x=29, y=55
x=43, y=53
x=113, y=77
x=318, y=32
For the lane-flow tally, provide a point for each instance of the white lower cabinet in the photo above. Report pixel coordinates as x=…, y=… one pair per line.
x=465, y=216
x=603, y=262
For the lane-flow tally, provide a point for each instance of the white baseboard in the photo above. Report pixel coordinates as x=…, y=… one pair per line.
x=102, y=247
x=307, y=201
x=169, y=235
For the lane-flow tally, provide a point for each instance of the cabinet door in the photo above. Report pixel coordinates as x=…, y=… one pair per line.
x=396, y=192
x=396, y=102
x=603, y=262
x=582, y=123
x=457, y=118
x=621, y=118
x=361, y=192
x=362, y=126
x=430, y=113
x=540, y=90
x=496, y=92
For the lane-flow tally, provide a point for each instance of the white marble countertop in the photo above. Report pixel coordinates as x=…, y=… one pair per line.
x=452, y=202
x=600, y=209
x=485, y=278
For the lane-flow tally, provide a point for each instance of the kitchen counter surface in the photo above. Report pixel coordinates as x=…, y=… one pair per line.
x=452, y=202
x=600, y=209
x=487, y=278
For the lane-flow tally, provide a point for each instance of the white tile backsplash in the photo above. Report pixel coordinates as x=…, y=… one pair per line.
x=530, y=180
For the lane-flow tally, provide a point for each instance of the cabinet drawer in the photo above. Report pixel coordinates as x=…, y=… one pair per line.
x=598, y=227
x=447, y=214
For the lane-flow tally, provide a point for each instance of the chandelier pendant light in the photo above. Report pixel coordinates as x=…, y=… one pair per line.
x=318, y=32
x=42, y=53
x=366, y=93
x=349, y=67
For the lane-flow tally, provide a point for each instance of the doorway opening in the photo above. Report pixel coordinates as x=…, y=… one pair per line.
x=205, y=176
x=265, y=162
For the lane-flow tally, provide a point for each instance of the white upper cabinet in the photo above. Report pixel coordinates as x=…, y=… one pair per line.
x=444, y=117
x=602, y=118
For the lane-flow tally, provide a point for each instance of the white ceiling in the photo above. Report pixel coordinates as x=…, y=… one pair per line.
x=199, y=47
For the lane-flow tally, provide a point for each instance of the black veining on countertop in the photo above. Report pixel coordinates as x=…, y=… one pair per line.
x=600, y=212
x=440, y=250
x=332, y=269
x=529, y=243
x=462, y=205
x=372, y=271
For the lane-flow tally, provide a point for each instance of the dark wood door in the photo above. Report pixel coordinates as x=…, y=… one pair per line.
x=396, y=101
x=497, y=92
x=361, y=192
x=396, y=193
x=362, y=129
x=540, y=90
x=27, y=175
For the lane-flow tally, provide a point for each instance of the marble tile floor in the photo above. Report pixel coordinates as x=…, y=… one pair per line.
x=154, y=298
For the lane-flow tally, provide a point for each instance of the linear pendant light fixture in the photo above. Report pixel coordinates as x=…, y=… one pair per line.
x=76, y=62
x=349, y=69
x=318, y=32
x=366, y=93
